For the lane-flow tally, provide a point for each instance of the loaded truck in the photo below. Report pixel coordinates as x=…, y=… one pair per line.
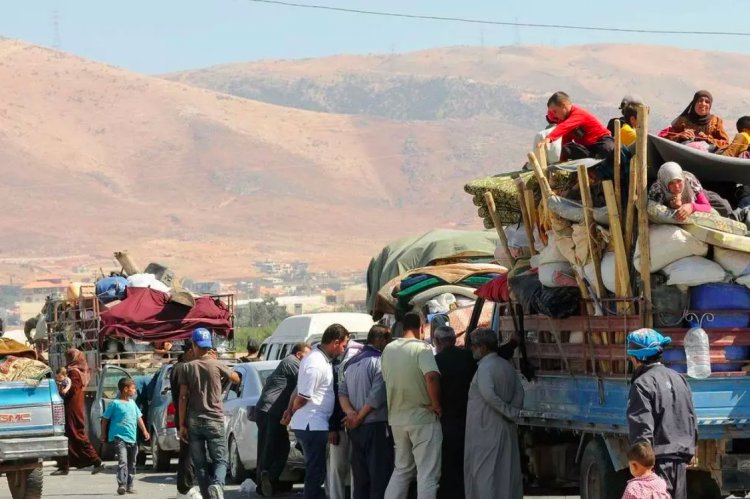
x=32, y=426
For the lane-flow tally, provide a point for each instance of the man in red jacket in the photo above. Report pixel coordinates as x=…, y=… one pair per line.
x=583, y=135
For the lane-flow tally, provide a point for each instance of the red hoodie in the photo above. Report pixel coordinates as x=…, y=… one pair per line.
x=580, y=127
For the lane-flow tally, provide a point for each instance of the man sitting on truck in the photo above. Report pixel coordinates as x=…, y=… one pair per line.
x=583, y=135
x=660, y=410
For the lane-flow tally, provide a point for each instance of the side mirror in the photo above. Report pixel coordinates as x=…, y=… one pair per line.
x=166, y=390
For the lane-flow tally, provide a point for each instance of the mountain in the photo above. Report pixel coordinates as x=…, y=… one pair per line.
x=96, y=158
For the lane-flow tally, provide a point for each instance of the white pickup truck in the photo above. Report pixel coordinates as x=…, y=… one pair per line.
x=32, y=426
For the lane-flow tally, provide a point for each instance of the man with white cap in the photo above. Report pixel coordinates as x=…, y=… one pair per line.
x=660, y=410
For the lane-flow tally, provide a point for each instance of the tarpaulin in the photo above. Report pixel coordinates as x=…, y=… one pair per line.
x=708, y=167
x=147, y=314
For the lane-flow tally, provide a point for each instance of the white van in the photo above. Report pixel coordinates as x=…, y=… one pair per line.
x=309, y=328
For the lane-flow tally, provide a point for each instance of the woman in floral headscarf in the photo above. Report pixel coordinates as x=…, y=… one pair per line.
x=697, y=124
x=679, y=190
x=80, y=451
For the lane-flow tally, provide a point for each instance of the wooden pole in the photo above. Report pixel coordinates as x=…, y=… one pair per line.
x=541, y=177
x=521, y=187
x=490, y=200
x=588, y=207
x=642, y=193
x=533, y=218
x=622, y=273
x=618, y=166
x=542, y=157
x=128, y=265
x=630, y=210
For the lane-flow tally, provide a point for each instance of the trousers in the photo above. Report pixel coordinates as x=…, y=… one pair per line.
x=372, y=460
x=207, y=435
x=127, y=454
x=418, y=455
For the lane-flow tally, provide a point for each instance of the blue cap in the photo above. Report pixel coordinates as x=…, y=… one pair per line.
x=202, y=337
x=646, y=343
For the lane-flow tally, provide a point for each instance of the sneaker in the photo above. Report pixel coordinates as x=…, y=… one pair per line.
x=193, y=493
x=215, y=492
x=266, y=487
x=120, y=490
x=131, y=490
x=60, y=472
x=98, y=469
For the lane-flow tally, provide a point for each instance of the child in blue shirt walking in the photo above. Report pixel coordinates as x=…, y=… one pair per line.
x=120, y=424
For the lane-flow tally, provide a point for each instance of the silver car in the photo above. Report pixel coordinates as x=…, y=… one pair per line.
x=242, y=434
x=160, y=418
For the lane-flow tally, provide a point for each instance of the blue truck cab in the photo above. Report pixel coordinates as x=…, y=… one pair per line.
x=32, y=427
x=573, y=428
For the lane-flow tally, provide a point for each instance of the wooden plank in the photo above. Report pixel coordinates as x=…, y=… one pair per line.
x=588, y=206
x=490, y=200
x=533, y=216
x=618, y=166
x=521, y=187
x=631, y=202
x=642, y=193
x=541, y=177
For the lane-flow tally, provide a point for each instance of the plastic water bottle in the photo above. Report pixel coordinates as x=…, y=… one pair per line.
x=697, y=353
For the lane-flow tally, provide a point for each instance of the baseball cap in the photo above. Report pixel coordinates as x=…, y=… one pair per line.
x=202, y=337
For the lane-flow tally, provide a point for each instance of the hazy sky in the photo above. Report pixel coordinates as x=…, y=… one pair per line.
x=154, y=36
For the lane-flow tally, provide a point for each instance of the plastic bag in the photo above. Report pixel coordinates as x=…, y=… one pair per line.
x=441, y=304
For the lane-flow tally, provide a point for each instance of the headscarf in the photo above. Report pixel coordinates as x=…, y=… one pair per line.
x=77, y=362
x=670, y=171
x=689, y=111
x=646, y=343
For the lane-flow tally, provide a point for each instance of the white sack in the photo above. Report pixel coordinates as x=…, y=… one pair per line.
x=668, y=244
x=736, y=263
x=549, y=271
x=147, y=281
x=693, y=271
x=608, y=272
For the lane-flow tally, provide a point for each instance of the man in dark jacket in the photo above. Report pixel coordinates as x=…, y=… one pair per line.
x=273, y=437
x=457, y=367
x=660, y=410
x=185, y=473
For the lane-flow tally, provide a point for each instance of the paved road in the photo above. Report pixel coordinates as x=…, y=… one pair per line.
x=80, y=484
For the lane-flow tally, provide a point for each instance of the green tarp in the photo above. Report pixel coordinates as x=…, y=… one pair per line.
x=415, y=252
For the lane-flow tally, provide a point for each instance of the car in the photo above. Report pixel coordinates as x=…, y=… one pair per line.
x=242, y=433
x=159, y=416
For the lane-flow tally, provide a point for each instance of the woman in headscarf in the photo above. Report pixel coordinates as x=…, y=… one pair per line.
x=80, y=451
x=679, y=190
x=697, y=124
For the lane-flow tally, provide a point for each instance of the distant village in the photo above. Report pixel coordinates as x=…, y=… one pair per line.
x=292, y=285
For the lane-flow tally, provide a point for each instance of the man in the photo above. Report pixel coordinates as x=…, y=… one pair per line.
x=457, y=367
x=312, y=407
x=660, y=410
x=273, y=437
x=363, y=400
x=339, y=447
x=583, y=135
x=201, y=382
x=253, y=349
x=185, y=472
x=492, y=464
x=412, y=382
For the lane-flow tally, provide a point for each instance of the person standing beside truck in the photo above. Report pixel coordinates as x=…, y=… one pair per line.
x=120, y=424
x=185, y=471
x=81, y=453
x=660, y=410
x=201, y=413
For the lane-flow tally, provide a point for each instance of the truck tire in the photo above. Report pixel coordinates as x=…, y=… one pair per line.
x=160, y=460
x=26, y=484
x=598, y=477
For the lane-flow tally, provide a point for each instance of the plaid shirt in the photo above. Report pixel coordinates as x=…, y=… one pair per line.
x=649, y=486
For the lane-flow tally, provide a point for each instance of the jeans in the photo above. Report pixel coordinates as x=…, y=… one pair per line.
x=372, y=459
x=674, y=472
x=314, y=448
x=208, y=435
x=185, y=473
x=127, y=454
x=418, y=455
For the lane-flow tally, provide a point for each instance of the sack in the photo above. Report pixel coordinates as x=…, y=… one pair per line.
x=669, y=243
x=608, y=272
x=693, y=271
x=736, y=263
x=557, y=275
x=147, y=281
x=551, y=253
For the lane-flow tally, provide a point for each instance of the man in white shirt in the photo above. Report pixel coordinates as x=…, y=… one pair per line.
x=313, y=406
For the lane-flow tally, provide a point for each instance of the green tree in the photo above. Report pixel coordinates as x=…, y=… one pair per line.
x=260, y=315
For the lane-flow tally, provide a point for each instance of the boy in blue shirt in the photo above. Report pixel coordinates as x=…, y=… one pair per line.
x=120, y=424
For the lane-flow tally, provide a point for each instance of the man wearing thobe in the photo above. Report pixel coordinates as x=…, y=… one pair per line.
x=492, y=461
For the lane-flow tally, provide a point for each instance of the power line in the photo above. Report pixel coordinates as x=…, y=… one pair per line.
x=502, y=23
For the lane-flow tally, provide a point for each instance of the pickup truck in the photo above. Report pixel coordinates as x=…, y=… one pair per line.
x=32, y=426
x=573, y=428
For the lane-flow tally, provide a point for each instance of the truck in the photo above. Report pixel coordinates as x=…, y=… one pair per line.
x=573, y=429
x=32, y=427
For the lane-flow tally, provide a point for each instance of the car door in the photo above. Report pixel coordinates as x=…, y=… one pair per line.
x=233, y=399
x=106, y=392
x=246, y=430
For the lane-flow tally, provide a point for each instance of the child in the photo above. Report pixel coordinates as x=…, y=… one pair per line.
x=62, y=380
x=645, y=483
x=120, y=424
x=738, y=147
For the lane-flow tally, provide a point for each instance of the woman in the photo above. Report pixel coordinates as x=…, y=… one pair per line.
x=80, y=451
x=679, y=190
x=697, y=124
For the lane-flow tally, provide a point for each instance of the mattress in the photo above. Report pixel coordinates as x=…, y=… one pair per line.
x=721, y=239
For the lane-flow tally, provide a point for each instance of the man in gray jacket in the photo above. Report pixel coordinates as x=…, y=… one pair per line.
x=363, y=400
x=660, y=410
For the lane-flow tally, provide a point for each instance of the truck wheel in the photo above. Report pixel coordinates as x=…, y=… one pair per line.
x=26, y=484
x=160, y=460
x=598, y=477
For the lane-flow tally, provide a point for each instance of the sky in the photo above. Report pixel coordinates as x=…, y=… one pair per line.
x=159, y=36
